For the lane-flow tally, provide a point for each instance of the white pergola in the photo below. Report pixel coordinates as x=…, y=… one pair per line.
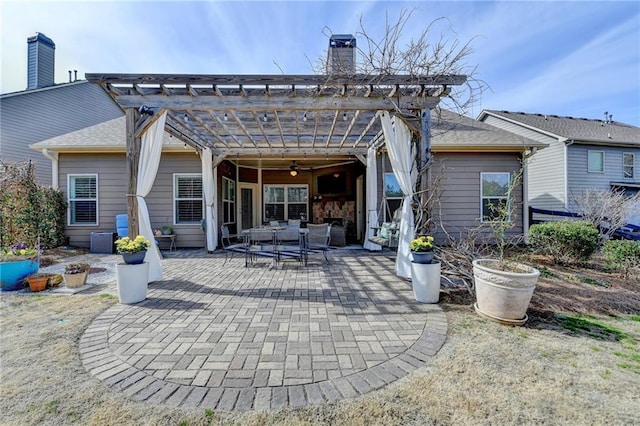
x=312, y=119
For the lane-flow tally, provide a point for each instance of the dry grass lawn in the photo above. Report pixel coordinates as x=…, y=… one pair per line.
x=577, y=361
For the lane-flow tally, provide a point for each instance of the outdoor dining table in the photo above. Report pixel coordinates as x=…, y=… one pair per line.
x=276, y=249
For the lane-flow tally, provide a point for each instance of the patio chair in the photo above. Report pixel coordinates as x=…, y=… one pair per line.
x=227, y=245
x=122, y=225
x=259, y=242
x=319, y=238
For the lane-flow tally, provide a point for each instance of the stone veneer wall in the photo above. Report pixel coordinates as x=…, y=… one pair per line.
x=334, y=209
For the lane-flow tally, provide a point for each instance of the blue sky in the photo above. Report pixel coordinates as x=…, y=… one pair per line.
x=573, y=58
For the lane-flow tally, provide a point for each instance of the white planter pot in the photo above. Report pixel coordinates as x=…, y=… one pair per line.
x=425, y=279
x=503, y=296
x=132, y=282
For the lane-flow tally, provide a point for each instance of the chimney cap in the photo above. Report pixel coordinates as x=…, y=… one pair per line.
x=41, y=37
x=342, y=40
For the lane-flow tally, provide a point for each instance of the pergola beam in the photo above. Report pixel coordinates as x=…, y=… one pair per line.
x=272, y=103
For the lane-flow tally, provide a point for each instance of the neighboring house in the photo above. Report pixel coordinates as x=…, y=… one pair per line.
x=46, y=110
x=92, y=174
x=582, y=154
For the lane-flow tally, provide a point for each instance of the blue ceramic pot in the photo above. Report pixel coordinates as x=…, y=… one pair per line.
x=134, y=258
x=422, y=256
x=12, y=274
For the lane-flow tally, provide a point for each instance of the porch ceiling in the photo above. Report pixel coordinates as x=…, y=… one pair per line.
x=318, y=119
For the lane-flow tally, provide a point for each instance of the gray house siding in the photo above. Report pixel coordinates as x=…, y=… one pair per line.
x=579, y=177
x=112, y=184
x=459, y=208
x=35, y=115
x=545, y=171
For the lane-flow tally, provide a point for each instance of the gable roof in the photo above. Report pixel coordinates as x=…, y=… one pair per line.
x=108, y=136
x=454, y=132
x=578, y=130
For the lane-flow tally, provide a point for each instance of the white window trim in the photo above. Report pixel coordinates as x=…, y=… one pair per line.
x=69, y=177
x=633, y=165
x=226, y=200
x=603, y=161
x=285, y=203
x=174, y=193
x=386, y=197
x=507, y=197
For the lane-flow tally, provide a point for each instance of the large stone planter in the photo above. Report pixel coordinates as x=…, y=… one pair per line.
x=503, y=296
x=132, y=282
x=425, y=279
x=12, y=274
x=75, y=280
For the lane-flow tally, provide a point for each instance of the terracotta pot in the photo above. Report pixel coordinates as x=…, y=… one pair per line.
x=38, y=284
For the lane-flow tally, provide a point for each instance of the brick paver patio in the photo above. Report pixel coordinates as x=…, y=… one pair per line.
x=230, y=338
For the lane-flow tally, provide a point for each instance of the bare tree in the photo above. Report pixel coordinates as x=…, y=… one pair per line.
x=425, y=54
x=607, y=210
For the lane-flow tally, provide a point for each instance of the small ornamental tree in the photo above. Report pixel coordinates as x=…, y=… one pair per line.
x=29, y=213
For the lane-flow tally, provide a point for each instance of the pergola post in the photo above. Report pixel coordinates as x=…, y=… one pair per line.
x=424, y=157
x=133, y=156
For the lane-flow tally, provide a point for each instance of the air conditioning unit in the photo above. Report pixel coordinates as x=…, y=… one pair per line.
x=103, y=242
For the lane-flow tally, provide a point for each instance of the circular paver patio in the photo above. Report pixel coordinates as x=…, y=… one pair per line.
x=226, y=337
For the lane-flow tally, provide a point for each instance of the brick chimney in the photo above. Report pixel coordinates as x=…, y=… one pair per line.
x=41, y=61
x=341, y=57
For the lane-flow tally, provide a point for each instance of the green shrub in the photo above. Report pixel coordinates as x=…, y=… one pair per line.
x=564, y=241
x=622, y=254
x=29, y=213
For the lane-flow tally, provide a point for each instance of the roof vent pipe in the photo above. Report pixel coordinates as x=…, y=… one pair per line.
x=70, y=76
x=75, y=75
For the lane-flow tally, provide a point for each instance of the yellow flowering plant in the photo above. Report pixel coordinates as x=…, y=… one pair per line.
x=127, y=245
x=422, y=243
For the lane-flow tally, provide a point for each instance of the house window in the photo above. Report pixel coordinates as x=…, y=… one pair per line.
x=228, y=200
x=494, y=195
x=596, y=162
x=83, y=199
x=187, y=198
x=393, y=194
x=628, y=165
x=283, y=202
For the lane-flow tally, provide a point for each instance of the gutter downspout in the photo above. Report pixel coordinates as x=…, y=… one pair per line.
x=566, y=142
x=53, y=156
x=525, y=198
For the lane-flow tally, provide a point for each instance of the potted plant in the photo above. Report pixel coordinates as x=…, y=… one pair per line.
x=132, y=276
x=167, y=230
x=75, y=274
x=16, y=263
x=38, y=281
x=425, y=272
x=422, y=249
x=503, y=287
x=134, y=250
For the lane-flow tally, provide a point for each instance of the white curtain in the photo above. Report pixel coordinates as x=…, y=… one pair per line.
x=401, y=155
x=372, y=199
x=209, y=187
x=150, y=153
